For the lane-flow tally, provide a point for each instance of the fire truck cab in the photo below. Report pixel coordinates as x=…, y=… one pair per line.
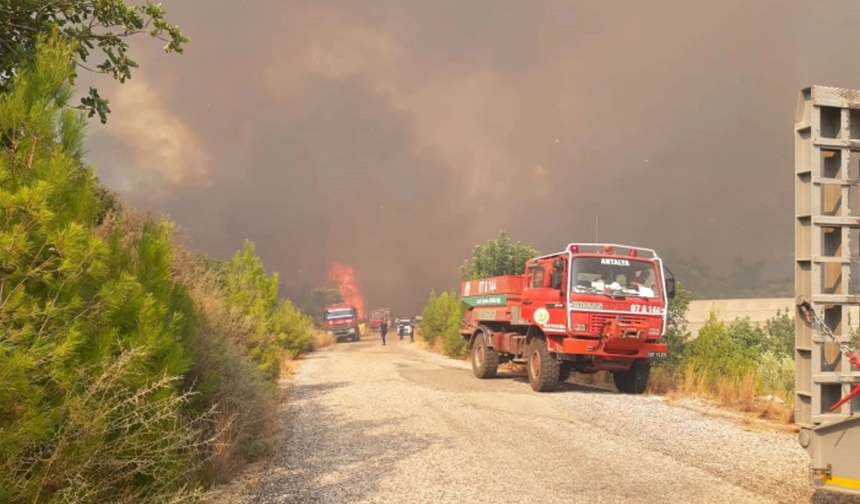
x=589, y=308
x=341, y=321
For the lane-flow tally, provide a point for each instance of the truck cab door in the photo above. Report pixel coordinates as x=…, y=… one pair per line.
x=543, y=297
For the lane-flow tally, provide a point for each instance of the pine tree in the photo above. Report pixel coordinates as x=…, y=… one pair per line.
x=499, y=256
x=94, y=331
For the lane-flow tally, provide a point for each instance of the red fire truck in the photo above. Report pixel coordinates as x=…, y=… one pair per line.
x=377, y=316
x=341, y=320
x=589, y=308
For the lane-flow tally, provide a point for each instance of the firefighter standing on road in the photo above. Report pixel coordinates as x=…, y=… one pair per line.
x=383, y=328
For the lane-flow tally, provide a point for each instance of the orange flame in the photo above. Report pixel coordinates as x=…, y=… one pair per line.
x=345, y=278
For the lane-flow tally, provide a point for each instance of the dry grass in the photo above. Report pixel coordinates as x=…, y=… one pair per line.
x=662, y=381
x=289, y=366
x=739, y=396
x=106, y=442
x=245, y=403
x=321, y=339
x=436, y=347
x=224, y=463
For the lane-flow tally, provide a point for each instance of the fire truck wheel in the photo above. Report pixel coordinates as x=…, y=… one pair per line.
x=635, y=379
x=543, y=369
x=564, y=371
x=485, y=360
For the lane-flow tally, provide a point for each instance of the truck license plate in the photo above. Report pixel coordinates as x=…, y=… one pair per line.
x=657, y=355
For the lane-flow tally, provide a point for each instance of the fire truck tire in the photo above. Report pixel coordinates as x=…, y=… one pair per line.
x=543, y=369
x=635, y=379
x=564, y=371
x=485, y=360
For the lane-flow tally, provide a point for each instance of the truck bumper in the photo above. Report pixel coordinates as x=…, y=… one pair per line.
x=343, y=333
x=576, y=346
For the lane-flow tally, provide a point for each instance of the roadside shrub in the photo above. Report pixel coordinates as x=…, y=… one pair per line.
x=442, y=317
x=677, y=336
x=95, y=332
x=776, y=375
x=780, y=331
x=293, y=329
x=748, y=335
x=276, y=324
x=716, y=355
x=128, y=370
x=245, y=403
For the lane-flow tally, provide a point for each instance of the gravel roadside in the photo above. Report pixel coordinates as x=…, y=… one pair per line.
x=368, y=423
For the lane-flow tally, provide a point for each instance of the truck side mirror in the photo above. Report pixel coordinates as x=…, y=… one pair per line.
x=670, y=284
x=555, y=279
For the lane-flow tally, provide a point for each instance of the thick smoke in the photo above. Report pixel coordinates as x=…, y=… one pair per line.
x=394, y=135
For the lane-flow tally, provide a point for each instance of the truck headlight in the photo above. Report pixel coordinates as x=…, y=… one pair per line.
x=580, y=327
x=654, y=331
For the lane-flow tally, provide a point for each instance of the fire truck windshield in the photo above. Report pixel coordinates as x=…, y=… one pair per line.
x=339, y=313
x=614, y=276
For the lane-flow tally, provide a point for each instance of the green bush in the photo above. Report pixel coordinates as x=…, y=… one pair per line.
x=130, y=370
x=442, y=317
x=278, y=325
x=776, y=375
x=677, y=336
x=780, y=331
x=715, y=354
x=292, y=328
x=95, y=332
x=498, y=256
x=246, y=402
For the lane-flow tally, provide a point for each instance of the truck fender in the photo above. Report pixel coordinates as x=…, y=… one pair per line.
x=534, y=332
x=482, y=332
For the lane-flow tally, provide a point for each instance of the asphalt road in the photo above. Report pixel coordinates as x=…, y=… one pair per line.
x=391, y=424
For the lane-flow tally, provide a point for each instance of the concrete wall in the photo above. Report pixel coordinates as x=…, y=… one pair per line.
x=758, y=310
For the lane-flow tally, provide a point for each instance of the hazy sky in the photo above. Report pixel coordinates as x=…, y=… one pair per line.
x=395, y=135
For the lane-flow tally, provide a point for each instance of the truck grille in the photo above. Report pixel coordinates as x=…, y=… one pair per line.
x=597, y=320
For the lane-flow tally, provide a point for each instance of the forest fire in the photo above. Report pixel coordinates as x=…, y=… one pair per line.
x=345, y=277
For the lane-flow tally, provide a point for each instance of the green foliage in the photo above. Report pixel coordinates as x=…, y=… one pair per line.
x=780, y=330
x=715, y=353
x=677, y=334
x=291, y=327
x=278, y=325
x=91, y=25
x=734, y=350
x=94, y=329
x=122, y=358
x=776, y=374
x=499, y=256
x=442, y=318
x=246, y=402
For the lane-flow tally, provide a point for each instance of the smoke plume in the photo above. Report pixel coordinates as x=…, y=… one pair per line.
x=394, y=135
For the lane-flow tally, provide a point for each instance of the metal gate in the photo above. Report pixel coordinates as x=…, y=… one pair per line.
x=827, y=190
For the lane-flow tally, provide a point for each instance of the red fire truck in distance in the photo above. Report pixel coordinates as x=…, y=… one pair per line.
x=592, y=307
x=377, y=316
x=341, y=320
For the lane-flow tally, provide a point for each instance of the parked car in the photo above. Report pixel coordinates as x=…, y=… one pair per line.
x=405, y=328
